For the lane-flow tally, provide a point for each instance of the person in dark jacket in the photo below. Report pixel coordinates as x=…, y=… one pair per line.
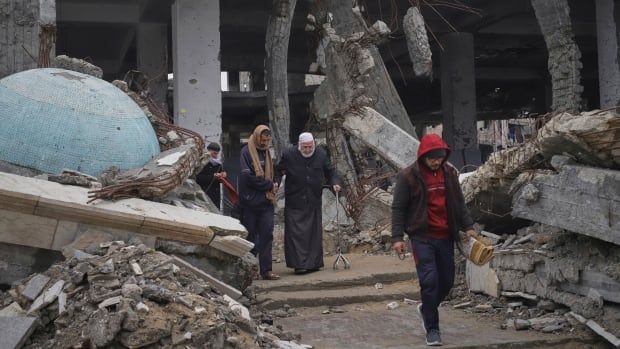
x=207, y=178
x=257, y=197
x=429, y=207
x=306, y=168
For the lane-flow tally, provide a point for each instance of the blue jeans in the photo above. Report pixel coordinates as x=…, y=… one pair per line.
x=434, y=261
x=259, y=223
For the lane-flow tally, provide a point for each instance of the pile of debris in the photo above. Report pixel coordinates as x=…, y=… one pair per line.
x=129, y=296
x=563, y=189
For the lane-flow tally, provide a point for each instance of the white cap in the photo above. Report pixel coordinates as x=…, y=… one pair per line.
x=306, y=137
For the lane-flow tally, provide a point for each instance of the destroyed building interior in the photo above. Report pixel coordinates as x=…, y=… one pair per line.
x=107, y=107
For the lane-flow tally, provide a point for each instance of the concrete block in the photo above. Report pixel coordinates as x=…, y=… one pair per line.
x=482, y=279
x=35, y=286
x=580, y=199
x=14, y=331
x=27, y=230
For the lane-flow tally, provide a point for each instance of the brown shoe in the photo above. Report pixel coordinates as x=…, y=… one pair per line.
x=270, y=276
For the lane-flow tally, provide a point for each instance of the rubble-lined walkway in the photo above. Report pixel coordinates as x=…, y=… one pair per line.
x=348, y=309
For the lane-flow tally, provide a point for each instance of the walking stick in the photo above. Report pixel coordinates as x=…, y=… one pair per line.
x=340, y=256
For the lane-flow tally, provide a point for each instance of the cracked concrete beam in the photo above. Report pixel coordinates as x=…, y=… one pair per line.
x=383, y=136
x=580, y=199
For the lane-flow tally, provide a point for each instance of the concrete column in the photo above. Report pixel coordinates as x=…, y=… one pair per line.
x=152, y=42
x=607, y=40
x=458, y=98
x=195, y=50
x=20, y=25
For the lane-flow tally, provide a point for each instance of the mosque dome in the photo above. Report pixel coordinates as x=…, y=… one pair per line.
x=52, y=119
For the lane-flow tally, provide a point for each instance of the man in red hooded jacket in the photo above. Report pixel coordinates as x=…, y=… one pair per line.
x=429, y=207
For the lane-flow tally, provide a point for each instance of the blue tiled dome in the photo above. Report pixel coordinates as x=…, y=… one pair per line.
x=52, y=119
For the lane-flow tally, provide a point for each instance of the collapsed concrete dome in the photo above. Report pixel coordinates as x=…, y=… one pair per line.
x=51, y=119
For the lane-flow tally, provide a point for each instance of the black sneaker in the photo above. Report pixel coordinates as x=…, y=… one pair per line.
x=300, y=271
x=433, y=338
x=419, y=308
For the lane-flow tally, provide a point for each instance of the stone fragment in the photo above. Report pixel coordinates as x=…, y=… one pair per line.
x=104, y=326
x=392, y=305
x=179, y=338
x=12, y=310
x=142, y=308
x=199, y=310
x=238, y=308
x=107, y=267
x=521, y=324
x=132, y=321
x=15, y=331
x=48, y=297
x=157, y=293
x=483, y=308
x=110, y=302
x=552, y=328
x=132, y=291
x=35, y=286
x=135, y=267
x=62, y=303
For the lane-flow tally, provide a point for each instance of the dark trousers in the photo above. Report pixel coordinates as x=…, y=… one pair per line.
x=259, y=223
x=434, y=260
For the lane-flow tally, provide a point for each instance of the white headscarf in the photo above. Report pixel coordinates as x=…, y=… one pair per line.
x=305, y=138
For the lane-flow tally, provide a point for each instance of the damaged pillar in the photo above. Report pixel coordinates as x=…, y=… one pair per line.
x=458, y=98
x=564, y=56
x=197, y=74
x=379, y=86
x=152, y=51
x=276, y=69
x=21, y=24
x=608, y=65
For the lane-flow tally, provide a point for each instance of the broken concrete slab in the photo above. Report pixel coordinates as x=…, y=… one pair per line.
x=580, y=199
x=615, y=341
x=34, y=287
x=589, y=137
x=47, y=297
x=15, y=331
x=482, y=279
x=37, y=198
x=383, y=136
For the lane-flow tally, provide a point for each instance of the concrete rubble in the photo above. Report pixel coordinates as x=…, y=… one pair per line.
x=104, y=301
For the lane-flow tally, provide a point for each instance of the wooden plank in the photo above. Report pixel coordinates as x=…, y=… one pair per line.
x=217, y=284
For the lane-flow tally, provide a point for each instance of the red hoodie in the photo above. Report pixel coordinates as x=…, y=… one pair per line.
x=435, y=188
